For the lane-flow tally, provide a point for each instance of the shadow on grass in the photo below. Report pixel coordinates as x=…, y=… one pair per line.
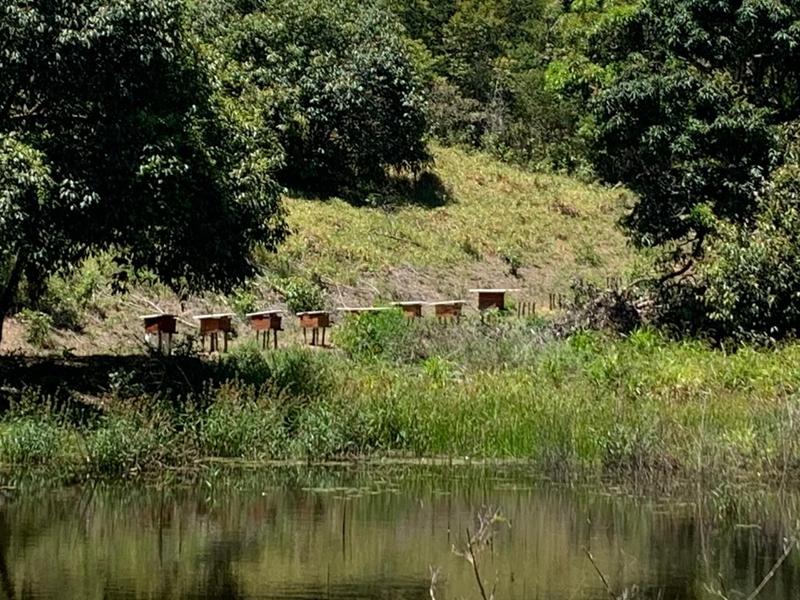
x=61, y=379
x=426, y=190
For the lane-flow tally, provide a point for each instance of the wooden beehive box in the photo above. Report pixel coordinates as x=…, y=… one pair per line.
x=163, y=323
x=315, y=319
x=449, y=309
x=220, y=323
x=412, y=310
x=271, y=320
x=492, y=298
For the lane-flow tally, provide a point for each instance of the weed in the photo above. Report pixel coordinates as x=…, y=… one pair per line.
x=368, y=336
x=301, y=294
x=38, y=328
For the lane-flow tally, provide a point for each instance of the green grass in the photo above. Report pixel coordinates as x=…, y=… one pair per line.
x=498, y=219
x=592, y=404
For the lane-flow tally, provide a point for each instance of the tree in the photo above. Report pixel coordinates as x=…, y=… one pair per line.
x=752, y=285
x=114, y=135
x=335, y=80
x=690, y=100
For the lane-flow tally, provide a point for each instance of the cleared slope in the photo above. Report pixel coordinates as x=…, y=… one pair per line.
x=553, y=228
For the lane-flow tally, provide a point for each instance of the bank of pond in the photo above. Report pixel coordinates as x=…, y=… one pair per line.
x=638, y=406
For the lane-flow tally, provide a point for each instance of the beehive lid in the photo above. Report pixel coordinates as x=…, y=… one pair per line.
x=216, y=316
x=264, y=313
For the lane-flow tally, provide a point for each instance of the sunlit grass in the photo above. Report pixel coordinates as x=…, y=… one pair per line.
x=640, y=405
x=556, y=227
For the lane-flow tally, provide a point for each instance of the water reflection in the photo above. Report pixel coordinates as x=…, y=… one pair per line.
x=350, y=533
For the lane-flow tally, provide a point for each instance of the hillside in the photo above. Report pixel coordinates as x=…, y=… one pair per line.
x=552, y=228
x=493, y=218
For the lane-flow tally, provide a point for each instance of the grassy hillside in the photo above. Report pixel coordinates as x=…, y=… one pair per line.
x=494, y=216
x=488, y=224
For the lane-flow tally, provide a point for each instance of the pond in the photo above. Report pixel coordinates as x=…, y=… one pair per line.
x=357, y=532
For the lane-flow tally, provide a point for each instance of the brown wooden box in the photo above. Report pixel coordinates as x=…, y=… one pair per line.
x=489, y=300
x=160, y=324
x=215, y=324
x=412, y=310
x=266, y=322
x=449, y=309
x=315, y=320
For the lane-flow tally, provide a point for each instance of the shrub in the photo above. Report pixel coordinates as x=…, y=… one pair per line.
x=301, y=294
x=239, y=427
x=384, y=334
x=38, y=327
x=753, y=280
x=70, y=295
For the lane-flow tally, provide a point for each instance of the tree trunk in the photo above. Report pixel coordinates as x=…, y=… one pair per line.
x=9, y=290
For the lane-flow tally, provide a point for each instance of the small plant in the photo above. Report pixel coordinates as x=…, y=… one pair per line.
x=375, y=335
x=470, y=248
x=513, y=260
x=38, y=327
x=243, y=301
x=587, y=256
x=301, y=294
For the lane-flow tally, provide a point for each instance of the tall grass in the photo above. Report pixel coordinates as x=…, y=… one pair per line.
x=640, y=405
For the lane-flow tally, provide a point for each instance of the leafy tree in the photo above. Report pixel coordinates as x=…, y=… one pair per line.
x=113, y=135
x=752, y=285
x=336, y=80
x=692, y=96
x=489, y=58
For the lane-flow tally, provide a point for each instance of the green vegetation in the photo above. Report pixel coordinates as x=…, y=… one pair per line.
x=496, y=217
x=113, y=137
x=335, y=81
x=641, y=405
x=690, y=107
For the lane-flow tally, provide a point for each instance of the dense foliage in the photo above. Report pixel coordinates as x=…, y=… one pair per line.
x=690, y=116
x=690, y=105
x=486, y=62
x=753, y=281
x=111, y=136
x=334, y=80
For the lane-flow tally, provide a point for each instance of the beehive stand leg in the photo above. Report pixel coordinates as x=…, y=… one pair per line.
x=224, y=341
x=202, y=342
x=305, y=335
x=160, y=343
x=275, y=338
x=324, y=329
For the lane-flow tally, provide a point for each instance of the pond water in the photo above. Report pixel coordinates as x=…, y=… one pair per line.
x=366, y=533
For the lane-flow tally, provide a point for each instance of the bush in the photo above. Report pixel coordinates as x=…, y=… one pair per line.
x=237, y=426
x=301, y=295
x=69, y=296
x=384, y=334
x=338, y=82
x=753, y=277
x=38, y=327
